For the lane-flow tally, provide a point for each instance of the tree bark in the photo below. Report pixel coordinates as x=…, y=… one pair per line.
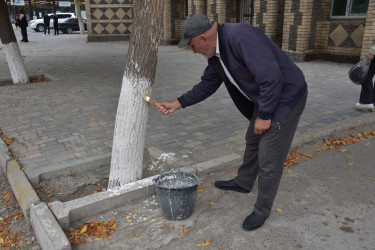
x=132, y=111
x=79, y=16
x=12, y=51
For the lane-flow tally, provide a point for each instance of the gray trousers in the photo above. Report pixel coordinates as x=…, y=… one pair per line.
x=265, y=155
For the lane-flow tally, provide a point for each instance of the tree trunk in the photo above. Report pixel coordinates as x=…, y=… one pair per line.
x=12, y=51
x=79, y=16
x=132, y=111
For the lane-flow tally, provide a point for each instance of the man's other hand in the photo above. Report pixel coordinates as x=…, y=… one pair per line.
x=261, y=126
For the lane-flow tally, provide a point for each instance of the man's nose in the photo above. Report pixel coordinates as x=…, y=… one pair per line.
x=194, y=50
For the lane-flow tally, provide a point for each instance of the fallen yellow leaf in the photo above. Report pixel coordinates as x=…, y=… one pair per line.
x=162, y=226
x=200, y=190
x=279, y=210
x=83, y=230
x=212, y=203
x=186, y=230
x=129, y=220
x=132, y=213
x=342, y=149
x=350, y=164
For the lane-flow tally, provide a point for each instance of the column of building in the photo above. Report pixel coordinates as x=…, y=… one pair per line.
x=197, y=7
x=266, y=14
x=369, y=34
x=297, y=28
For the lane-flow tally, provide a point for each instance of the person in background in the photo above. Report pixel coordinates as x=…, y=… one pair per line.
x=367, y=96
x=55, y=24
x=267, y=88
x=46, y=20
x=23, y=26
x=17, y=21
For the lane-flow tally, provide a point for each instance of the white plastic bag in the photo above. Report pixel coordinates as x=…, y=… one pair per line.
x=358, y=73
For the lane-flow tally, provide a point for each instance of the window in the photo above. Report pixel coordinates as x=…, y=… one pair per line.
x=349, y=8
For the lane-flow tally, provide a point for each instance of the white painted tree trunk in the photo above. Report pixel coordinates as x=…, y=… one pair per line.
x=15, y=63
x=79, y=16
x=12, y=51
x=129, y=135
x=132, y=111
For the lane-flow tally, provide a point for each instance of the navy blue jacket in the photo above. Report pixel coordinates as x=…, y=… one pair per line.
x=260, y=68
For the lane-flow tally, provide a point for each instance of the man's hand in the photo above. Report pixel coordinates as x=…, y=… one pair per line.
x=369, y=56
x=169, y=107
x=261, y=126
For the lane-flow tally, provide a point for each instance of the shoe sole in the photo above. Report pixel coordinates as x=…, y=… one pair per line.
x=230, y=189
x=252, y=229
x=366, y=109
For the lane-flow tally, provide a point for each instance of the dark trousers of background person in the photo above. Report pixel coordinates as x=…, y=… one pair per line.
x=368, y=92
x=24, y=34
x=46, y=26
x=56, y=28
x=265, y=155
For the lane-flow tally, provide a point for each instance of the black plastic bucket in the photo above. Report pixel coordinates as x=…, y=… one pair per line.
x=177, y=192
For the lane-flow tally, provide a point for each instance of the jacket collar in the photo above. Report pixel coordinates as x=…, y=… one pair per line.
x=223, y=55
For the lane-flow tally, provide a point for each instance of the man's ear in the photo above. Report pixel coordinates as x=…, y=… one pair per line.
x=203, y=38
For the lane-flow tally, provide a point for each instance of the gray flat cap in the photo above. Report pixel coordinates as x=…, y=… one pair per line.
x=194, y=26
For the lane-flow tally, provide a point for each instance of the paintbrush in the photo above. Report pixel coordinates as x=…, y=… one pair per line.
x=149, y=99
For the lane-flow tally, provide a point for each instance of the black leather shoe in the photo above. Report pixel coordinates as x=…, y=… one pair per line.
x=253, y=221
x=230, y=185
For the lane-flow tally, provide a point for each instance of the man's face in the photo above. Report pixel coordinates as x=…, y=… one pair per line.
x=199, y=44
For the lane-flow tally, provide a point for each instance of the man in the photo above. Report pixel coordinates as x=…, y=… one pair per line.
x=46, y=20
x=23, y=26
x=367, y=96
x=267, y=88
x=55, y=24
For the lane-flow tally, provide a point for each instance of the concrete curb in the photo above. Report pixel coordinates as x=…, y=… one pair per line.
x=336, y=129
x=48, y=232
x=22, y=189
x=5, y=156
x=74, y=167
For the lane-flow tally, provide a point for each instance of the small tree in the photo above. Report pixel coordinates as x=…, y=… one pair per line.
x=132, y=111
x=12, y=51
x=79, y=16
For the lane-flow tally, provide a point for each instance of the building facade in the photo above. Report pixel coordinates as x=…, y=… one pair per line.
x=336, y=30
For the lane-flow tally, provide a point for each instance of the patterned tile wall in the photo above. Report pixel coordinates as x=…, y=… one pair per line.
x=346, y=35
x=109, y=19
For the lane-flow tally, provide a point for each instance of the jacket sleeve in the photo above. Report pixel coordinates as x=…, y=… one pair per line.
x=210, y=82
x=254, y=50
